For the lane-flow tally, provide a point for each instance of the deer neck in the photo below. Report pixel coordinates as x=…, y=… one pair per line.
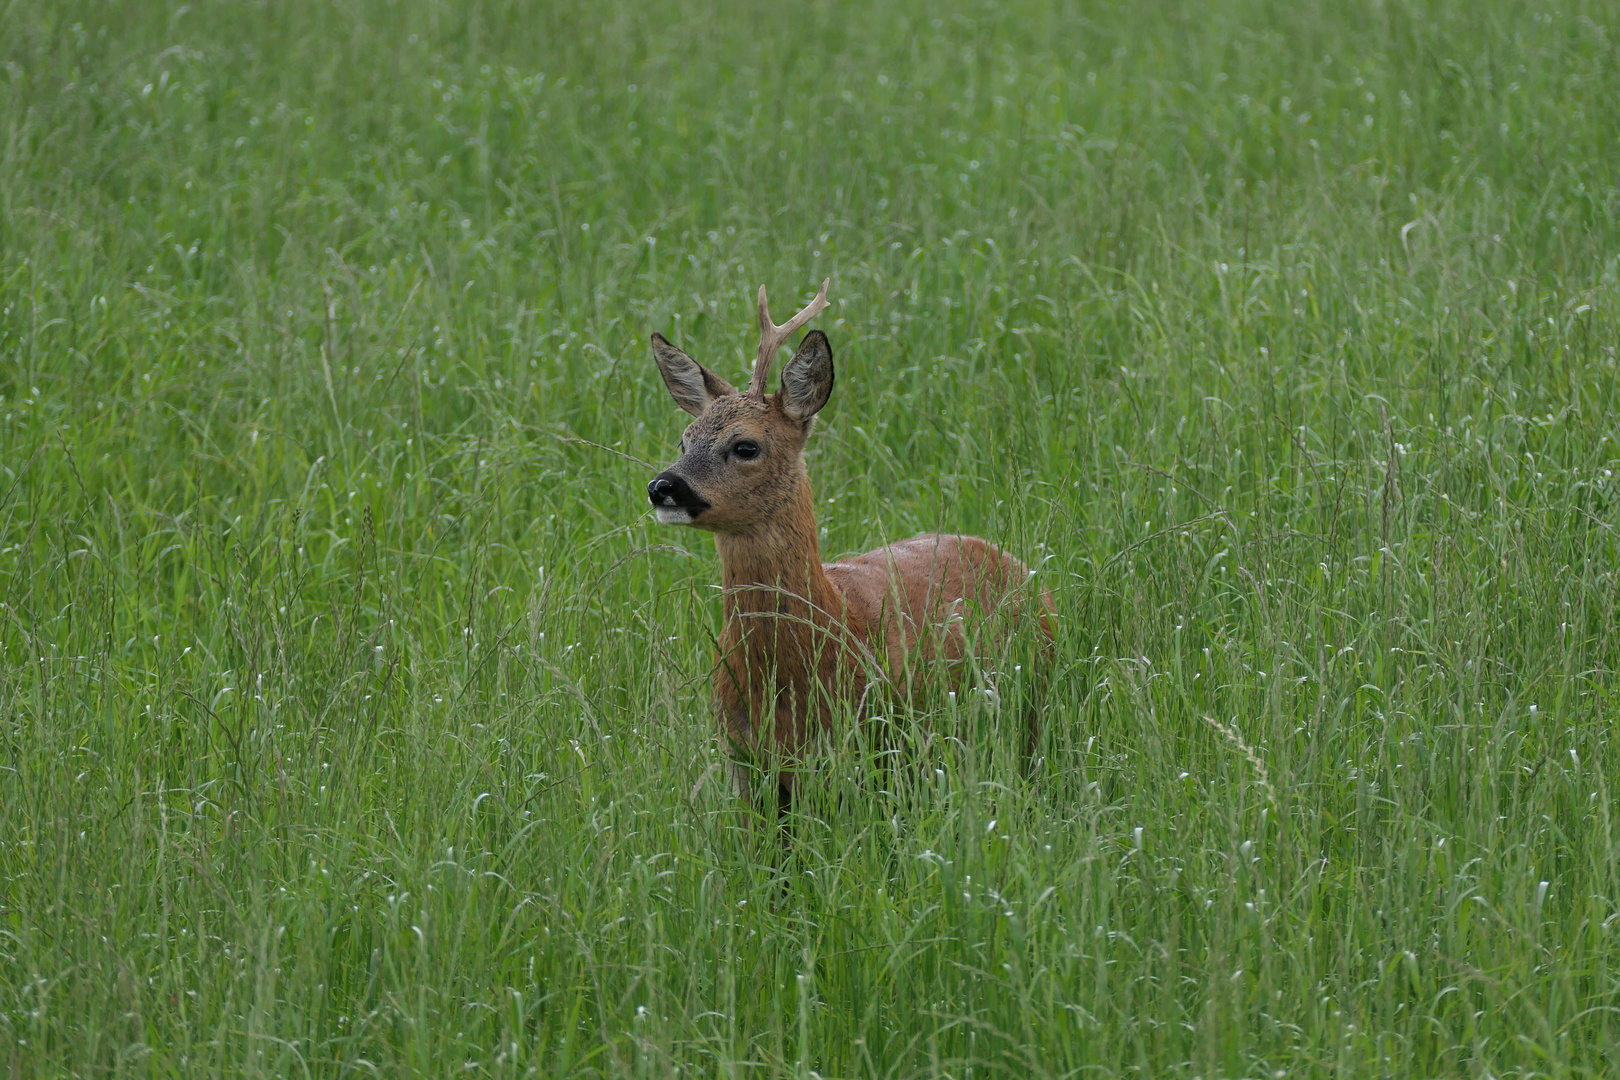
x=777, y=566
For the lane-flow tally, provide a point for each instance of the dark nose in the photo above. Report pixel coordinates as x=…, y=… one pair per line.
x=667, y=489
x=661, y=491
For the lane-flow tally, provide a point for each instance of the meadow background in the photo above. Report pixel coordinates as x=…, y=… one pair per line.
x=353, y=712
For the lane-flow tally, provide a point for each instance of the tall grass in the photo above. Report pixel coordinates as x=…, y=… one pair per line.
x=354, y=713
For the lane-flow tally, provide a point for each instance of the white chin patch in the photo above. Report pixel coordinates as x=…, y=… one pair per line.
x=672, y=515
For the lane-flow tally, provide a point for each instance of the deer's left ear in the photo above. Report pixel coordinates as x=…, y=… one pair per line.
x=807, y=381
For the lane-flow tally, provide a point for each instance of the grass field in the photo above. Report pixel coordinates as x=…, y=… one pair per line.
x=354, y=712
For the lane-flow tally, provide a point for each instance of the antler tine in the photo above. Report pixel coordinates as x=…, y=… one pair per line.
x=772, y=337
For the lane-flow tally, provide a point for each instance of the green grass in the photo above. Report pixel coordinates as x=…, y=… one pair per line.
x=354, y=713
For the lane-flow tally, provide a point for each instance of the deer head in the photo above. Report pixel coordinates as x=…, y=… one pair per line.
x=742, y=460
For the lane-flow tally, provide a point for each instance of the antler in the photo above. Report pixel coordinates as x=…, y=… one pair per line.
x=773, y=337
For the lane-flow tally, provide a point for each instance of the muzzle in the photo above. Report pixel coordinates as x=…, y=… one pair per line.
x=674, y=502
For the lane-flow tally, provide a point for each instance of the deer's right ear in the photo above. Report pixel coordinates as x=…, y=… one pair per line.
x=692, y=385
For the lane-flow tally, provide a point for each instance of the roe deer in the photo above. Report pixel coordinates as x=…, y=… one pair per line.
x=800, y=636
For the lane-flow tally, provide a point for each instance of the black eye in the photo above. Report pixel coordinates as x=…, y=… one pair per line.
x=746, y=450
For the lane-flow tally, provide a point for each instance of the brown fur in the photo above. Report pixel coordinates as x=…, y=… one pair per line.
x=801, y=636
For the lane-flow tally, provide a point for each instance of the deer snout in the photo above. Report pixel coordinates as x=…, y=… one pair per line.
x=674, y=501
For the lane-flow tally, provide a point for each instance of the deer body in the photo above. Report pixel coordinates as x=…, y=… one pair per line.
x=801, y=636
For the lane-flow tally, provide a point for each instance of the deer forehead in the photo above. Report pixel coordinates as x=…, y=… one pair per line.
x=734, y=417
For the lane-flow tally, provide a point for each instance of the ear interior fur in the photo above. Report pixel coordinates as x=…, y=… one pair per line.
x=807, y=381
x=692, y=385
